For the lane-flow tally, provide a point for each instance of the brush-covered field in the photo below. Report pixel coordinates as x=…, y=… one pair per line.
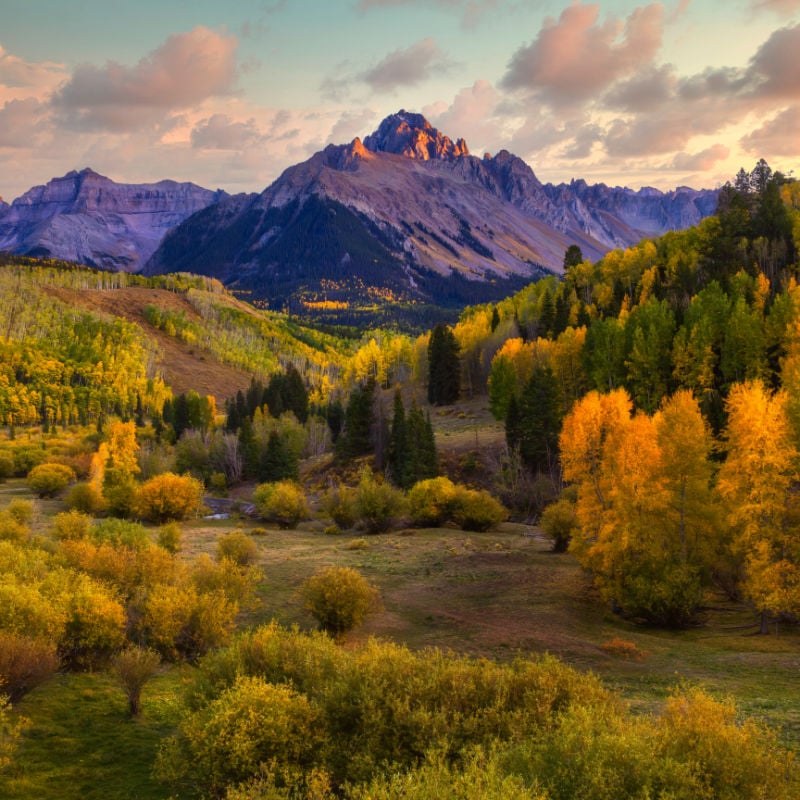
x=494, y=595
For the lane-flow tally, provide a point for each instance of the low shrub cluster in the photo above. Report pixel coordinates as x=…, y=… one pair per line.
x=280, y=714
x=282, y=502
x=435, y=501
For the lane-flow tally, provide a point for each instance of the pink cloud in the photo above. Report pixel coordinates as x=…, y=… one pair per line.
x=702, y=161
x=777, y=136
x=21, y=122
x=576, y=57
x=187, y=69
x=406, y=67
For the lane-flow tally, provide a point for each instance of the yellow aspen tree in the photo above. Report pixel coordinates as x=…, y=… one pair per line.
x=758, y=483
x=592, y=420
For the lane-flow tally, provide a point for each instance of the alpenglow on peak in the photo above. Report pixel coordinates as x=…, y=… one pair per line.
x=411, y=135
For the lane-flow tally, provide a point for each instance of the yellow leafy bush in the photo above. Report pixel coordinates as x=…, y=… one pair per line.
x=169, y=497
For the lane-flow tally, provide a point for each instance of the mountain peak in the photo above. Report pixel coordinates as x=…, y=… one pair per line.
x=411, y=135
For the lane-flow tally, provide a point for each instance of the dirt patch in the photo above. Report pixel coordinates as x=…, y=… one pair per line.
x=182, y=367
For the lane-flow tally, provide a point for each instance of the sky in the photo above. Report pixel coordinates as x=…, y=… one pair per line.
x=228, y=95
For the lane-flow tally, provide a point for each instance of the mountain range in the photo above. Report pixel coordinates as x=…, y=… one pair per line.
x=90, y=219
x=406, y=214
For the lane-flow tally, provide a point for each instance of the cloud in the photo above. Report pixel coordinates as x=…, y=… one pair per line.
x=407, y=67
x=187, y=69
x=473, y=115
x=17, y=73
x=777, y=136
x=775, y=68
x=352, y=124
x=219, y=132
x=783, y=7
x=576, y=57
x=646, y=91
x=700, y=162
x=21, y=122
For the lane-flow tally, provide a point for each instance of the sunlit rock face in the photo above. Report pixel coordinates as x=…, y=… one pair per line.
x=411, y=135
x=88, y=218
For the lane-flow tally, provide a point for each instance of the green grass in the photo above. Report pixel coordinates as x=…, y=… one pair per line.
x=83, y=745
x=495, y=595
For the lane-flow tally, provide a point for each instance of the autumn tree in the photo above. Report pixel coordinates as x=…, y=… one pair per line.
x=758, y=483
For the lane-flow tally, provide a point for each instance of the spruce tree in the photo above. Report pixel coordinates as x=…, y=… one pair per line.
x=356, y=439
x=278, y=462
x=540, y=421
x=295, y=395
x=444, y=367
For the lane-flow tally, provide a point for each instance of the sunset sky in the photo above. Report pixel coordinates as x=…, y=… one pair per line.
x=228, y=95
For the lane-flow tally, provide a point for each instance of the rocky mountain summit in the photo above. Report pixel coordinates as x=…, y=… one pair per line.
x=408, y=213
x=88, y=218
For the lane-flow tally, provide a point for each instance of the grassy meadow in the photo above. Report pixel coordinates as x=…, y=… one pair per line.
x=491, y=595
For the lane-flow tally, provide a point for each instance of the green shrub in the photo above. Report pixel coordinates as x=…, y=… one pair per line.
x=339, y=504
x=169, y=537
x=339, y=598
x=71, y=525
x=477, y=510
x=133, y=667
x=6, y=466
x=86, y=497
x=251, y=725
x=238, y=547
x=218, y=484
x=559, y=524
x=23, y=511
x=282, y=502
x=432, y=502
x=121, y=533
x=47, y=480
x=377, y=504
x=120, y=498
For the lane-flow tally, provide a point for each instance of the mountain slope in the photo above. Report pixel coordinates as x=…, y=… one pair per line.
x=408, y=214
x=90, y=219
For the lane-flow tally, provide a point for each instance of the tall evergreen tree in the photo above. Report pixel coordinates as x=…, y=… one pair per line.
x=444, y=367
x=356, y=439
x=278, y=462
x=295, y=395
x=398, y=441
x=540, y=421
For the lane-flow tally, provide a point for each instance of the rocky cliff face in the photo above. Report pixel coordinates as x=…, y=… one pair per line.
x=90, y=219
x=409, y=212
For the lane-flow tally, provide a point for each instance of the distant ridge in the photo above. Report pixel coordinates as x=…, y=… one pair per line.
x=88, y=218
x=408, y=214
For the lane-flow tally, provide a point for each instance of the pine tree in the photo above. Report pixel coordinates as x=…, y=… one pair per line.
x=540, y=421
x=278, y=461
x=444, y=367
x=356, y=439
x=295, y=395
